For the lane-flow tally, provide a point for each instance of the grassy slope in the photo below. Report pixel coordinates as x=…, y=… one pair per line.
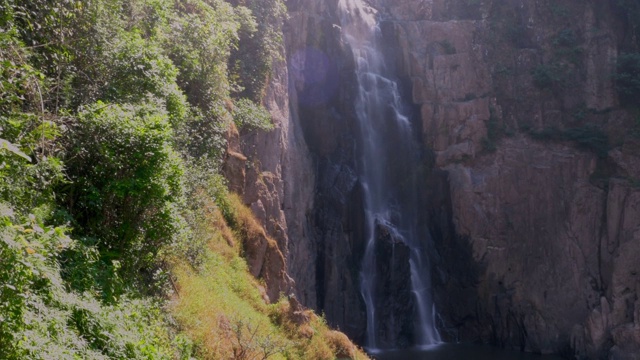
x=220, y=305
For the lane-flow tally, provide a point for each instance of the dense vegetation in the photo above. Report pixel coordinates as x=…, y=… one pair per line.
x=112, y=123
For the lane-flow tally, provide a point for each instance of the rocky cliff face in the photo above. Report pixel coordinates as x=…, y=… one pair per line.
x=532, y=181
x=538, y=235
x=273, y=173
x=322, y=79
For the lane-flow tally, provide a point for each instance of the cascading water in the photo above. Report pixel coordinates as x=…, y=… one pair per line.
x=388, y=164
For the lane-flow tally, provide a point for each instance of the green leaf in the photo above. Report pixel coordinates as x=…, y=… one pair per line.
x=4, y=144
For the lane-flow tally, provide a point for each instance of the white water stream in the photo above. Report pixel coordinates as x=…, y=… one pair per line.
x=387, y=170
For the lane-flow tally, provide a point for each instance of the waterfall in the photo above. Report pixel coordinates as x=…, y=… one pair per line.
x=388, y=170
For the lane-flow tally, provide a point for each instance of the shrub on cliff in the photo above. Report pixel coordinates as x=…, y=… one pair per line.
x=199, y=42
x=249, y=115
x=251, y=60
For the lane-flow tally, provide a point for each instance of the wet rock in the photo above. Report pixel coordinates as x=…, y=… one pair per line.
x=394, y=314
x=322, y=82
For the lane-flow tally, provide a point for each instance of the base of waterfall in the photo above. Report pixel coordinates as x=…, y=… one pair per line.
x=456, y=352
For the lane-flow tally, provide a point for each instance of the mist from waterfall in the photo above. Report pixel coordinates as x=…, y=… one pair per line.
x=388, y=166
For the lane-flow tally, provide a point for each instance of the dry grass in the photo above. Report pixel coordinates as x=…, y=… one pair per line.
x=247, y=226
x=312, y=334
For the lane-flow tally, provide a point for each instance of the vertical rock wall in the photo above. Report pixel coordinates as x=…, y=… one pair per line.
x=323, y=81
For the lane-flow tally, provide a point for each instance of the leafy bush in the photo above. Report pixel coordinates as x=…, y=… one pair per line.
x=126, y=181
x=199, y=44
x=588, y=137
x=42, y=320
x=138, y=68
x=19, y=81
x=248, y=115
x=28, y=184
x=26, y=177
x=202, y=138
x=251, y=60
x=128, y=69
x=627, y=78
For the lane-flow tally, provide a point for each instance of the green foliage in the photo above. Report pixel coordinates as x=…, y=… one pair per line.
x=41, y=319
x=12, y=148
x=19, y=81
x=202, y=138
x=248, y=115
x=588, y=137
x=199, y=43
x=28, y=184
x=627, y=78
x=126, y=68
x=45, y=25
x=136, y=69
x=28, y=250
x=126, y=181
x=251, y=61
x=567, y=46
x=221, y=195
